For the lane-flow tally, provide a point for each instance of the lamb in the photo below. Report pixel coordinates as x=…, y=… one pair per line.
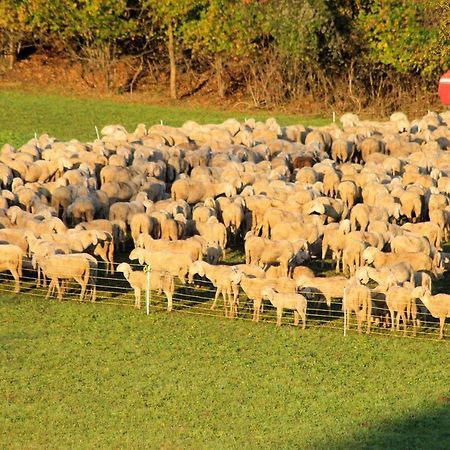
x=438, y=305
x=297, y=302
x=253, y=288
x=226, y=280
x=11, y=257
x=357, y=298
x=159, y=281
x=176, y=263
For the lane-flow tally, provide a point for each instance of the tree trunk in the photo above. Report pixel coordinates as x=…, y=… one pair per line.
x=173, y=65
x=218, y=68
x=11, y=55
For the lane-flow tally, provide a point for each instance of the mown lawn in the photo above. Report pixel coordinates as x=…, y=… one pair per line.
x=84, y=375
x=24, y=114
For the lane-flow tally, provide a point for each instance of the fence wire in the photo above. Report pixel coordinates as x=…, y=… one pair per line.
x=197, y=299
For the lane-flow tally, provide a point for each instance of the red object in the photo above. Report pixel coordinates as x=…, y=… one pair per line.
x=444, y=88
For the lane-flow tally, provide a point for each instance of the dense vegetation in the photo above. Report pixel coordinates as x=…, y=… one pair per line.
x=347, y=52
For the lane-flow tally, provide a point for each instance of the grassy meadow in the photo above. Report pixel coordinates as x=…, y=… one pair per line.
x=82, y=375
x=27, y=113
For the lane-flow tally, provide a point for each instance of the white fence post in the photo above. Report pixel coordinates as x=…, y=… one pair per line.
x=148, y=271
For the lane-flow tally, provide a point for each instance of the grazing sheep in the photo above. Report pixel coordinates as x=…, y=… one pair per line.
x=438, y=305
x=159, y=281
x=281, y=301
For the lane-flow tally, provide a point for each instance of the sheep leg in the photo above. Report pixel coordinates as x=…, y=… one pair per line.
x=225, y=302
x=296, y=317
x=303, y=316
x=51, y=287
x=391, y=311
x=441, y=327
x=58, y=287
x=137, y=298
x=256, y=309
x=169, y=300
x=369, y=317
x=359, y=315
x=216, y=296
x=279, y=314
x=83, y=284
x=15, y=274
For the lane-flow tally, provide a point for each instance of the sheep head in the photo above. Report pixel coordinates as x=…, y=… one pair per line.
x=125, y=268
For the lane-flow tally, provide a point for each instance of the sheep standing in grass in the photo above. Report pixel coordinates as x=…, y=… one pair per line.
x=399, y=300
x=296, y=302
x=159, y=281
x=438, y=305
x=11, y=259
x=225, y=279
x=357, y=299
x=80, y=267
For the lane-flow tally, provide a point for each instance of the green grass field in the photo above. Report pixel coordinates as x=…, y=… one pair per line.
x=84, y=376
x=107, y=376
x=27, y=113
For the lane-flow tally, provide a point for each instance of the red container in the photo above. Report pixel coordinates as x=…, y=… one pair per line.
x=444, y=88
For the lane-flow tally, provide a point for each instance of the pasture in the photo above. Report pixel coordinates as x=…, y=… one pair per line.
x=84, y=375
x=71, y=117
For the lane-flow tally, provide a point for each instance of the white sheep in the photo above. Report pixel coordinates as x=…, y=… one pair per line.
x=176, y=263
x=253, y=288
x=159, y=281
x=281, y=301
x=438, y=305
x=357, y=299
x=11, y=257
x=226, y=280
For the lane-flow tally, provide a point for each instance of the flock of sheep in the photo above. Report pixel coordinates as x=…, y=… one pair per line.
x=373, y=196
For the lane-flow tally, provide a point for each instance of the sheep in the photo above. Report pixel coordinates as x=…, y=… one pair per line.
x=438, y=305
x=176, y=263
x=11, y=259
x=81, y=267
x=159, y=281
x=418, y=261
x=332, y=287
x=401, y=272
x=253, y=288
x=399, y=299
x=357, y=298
x=281, y=301
x=192, y=246
x=226, y=280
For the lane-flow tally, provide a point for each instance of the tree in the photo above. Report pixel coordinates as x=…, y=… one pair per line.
x=225, y=30
x=169, y=16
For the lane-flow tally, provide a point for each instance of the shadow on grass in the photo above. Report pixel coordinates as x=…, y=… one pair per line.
x=428, y=429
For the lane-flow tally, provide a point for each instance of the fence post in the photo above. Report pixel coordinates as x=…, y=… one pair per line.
x=148, y=270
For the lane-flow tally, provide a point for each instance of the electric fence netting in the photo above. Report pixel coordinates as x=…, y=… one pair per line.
x=197, y=299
